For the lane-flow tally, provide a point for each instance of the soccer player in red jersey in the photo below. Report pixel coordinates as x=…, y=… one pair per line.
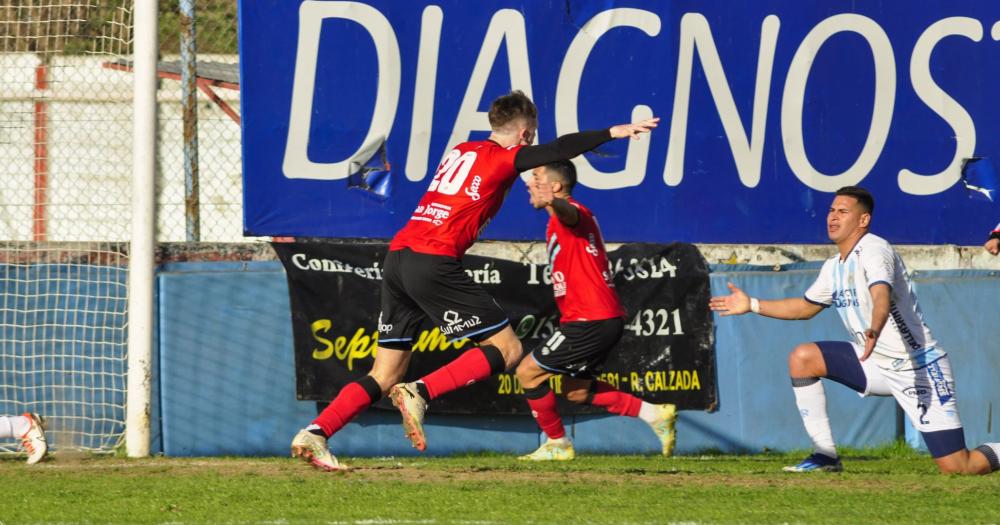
x=592, y=321
x=423, y=275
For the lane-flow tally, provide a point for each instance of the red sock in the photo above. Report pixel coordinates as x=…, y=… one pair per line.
x=351, y=401
x=543, y=410
x=468, y=368
x=615, y=401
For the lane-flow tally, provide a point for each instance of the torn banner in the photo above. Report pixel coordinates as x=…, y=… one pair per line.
x=980, y=179
x=373, y=177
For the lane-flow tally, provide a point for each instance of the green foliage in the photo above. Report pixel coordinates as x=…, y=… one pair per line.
x=215, y=25
x=884, y=485
x=74, y=27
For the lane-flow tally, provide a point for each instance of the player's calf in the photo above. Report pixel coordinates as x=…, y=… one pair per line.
x=984, y=459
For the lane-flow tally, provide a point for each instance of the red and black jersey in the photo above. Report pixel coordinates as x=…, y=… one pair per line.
x=467, y=191
x=581, y=273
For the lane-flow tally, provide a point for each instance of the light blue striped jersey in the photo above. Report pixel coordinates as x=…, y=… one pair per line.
x=906, y=341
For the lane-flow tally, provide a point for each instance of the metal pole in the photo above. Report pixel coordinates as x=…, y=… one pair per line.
x=141, y=269
x=40, y=215
x=189, y=97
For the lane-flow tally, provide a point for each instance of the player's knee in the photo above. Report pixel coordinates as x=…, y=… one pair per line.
x=525, y=371
x=512, y=352
x=801, y=359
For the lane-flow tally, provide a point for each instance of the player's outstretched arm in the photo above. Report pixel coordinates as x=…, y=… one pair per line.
x=568, y=146
x=739, y=303
x=736, y=303
x=633, y=131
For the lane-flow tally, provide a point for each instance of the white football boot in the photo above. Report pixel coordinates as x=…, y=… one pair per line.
x=412, y=407
x=552, y=450
x=312, y=449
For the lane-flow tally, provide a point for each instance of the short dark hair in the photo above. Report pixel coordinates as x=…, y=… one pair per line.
x=863, y=196
x=510, y=107
x=565, y=171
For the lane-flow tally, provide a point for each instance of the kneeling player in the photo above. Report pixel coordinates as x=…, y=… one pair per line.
x=867, y=283
x=592, y=321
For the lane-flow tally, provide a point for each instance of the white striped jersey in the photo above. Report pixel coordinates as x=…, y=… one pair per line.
x=906, y=341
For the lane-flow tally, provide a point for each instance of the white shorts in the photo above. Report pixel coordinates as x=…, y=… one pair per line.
x=927, y=394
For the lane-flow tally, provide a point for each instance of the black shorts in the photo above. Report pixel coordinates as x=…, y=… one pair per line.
x=578, y=349
x=418, y=286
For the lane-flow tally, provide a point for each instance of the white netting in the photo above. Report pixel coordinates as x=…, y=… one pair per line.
x=65, y=141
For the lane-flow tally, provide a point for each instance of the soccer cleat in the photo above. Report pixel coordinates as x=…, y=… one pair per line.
x=664, y=427
x=312, y=449
x=552, y=450
x=817, y=462
x=412, y=407
x=33, y=441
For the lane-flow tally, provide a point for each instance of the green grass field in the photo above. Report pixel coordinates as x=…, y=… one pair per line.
x=890, y=485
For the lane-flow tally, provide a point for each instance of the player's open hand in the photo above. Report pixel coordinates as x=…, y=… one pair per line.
x=633, y=131
x=736, y=303
x=992, y=246
x=871, y=337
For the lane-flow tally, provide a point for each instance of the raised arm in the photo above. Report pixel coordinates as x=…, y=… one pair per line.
x=739, y=303
x=568, y=146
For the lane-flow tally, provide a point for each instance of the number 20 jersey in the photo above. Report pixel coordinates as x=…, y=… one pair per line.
x=467, y=191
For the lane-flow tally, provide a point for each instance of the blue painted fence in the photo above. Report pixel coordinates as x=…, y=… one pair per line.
x=225, y=368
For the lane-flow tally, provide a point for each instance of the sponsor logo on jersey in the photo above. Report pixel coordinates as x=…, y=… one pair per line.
x=473, y=189
x=433, y=213
x=845, y=298
x=904, y=331
x=558, y=283
x=592, y=245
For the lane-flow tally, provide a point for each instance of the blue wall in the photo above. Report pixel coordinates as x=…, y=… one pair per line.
x=226, y=369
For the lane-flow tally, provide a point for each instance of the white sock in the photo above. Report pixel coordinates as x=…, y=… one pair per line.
x=560, y=441
x=13, y=426
x=810, y=397
x=648, y=413
x=992, y=453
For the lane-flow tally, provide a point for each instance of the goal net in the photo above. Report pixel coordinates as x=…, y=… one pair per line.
x=65, y=141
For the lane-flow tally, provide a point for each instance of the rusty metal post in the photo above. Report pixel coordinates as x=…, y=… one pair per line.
x=189, y=87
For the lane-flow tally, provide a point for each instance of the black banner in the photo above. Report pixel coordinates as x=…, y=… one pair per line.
x=667, y=354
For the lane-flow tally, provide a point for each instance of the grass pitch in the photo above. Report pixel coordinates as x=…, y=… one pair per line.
x=890, y=485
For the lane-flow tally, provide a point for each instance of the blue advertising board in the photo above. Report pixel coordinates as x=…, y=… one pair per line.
x=767, y=107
